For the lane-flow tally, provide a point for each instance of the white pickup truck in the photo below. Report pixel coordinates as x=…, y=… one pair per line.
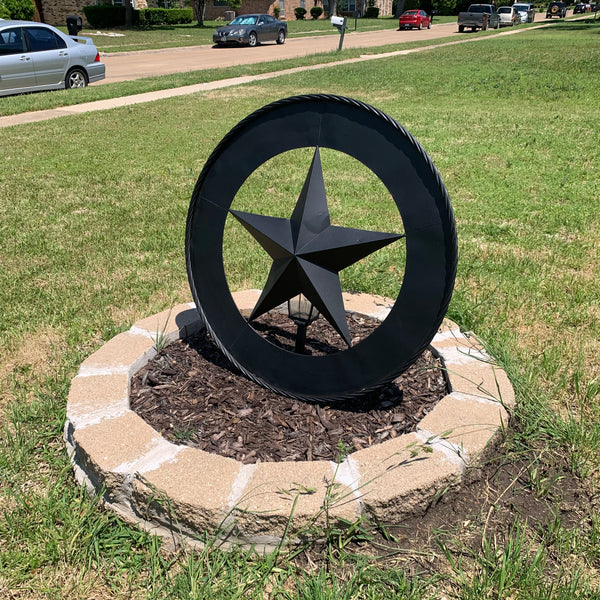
x=479, y=16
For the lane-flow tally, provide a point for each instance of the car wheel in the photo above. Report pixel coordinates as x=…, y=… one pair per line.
x=281, y=37
x=76, y=78
x=461, y=28
x=429, y=25
x=252, y=39
x=420, y=26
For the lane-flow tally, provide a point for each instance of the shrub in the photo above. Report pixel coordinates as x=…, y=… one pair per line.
x=4, y=12
x=164, y=16
x=105, y=16
x=372, y=12
x=22, y=10
x=445, y=7
x=276, y=11
x=316, y=12
x=299, y=12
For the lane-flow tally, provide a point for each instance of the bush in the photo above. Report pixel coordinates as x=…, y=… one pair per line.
x=299, y=12
x=22, y=10
x=105, y=16
x=164, y=16
x=372, y=12
x=4, y=12
x=316, y=12
x=276, y=11
x=445, y=7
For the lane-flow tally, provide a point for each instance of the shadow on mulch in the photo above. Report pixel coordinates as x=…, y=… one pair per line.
x=192, y=395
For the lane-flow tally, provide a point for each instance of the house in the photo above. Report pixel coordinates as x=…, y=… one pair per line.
x=55, y=12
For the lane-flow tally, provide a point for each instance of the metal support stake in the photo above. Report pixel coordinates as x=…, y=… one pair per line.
x=300, y=338
x=342, y=31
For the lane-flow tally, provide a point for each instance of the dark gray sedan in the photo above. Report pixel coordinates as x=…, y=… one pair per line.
x=251, y=30
x=36, y=57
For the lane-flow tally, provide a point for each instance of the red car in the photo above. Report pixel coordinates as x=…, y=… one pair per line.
x=414, y=18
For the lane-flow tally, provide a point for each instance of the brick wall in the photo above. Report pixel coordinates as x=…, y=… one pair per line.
x=55, y=13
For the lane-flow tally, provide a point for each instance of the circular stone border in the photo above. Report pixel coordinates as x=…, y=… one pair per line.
x=183, y=492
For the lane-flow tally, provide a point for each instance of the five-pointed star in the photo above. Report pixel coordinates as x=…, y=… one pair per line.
x=308, y=252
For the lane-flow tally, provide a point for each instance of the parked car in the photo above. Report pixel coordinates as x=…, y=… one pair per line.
x=479, y=16
x=509, y=16
x=251, y=30
x=36, y=57
x=414, y=18
x=526, y=11
x=556, y=9
x=582, y=8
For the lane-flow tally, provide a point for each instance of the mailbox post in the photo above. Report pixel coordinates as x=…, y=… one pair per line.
x=340, y=23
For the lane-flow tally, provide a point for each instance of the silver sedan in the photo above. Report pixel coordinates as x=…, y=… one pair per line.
x=36, y=57
x=251, y=30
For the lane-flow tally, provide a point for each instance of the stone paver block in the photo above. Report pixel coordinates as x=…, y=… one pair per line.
x=455, y=339
x=97, y=397
x=182, y=321
x=246, y=299
x=109, y=450
x=377, y=307
x=267, y=502
x=97, y=391
x=395, y=484
x=125, y=352
x=448, y=329
x=198, y=485
x=482, y=380
x=471, y=423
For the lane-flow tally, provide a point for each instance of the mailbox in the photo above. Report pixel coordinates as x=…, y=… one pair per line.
x=337, y=21
x=74, y=24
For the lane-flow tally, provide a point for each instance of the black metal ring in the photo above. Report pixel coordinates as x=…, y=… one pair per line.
x=387, y=149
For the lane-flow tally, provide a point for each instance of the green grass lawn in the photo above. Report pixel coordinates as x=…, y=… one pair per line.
x=12, y=105
x=92, y=220
x=41, y=101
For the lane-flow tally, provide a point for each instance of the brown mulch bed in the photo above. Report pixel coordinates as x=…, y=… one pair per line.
x=192, y=395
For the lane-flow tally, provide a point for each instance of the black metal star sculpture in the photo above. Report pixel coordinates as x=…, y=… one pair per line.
x=308, y=252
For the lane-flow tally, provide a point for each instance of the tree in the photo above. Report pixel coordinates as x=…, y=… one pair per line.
x=199, y=8
x=235, y=5
x=21, y=10
x=128, y=13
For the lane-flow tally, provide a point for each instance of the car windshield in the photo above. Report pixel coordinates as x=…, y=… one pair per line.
x=244, y=20
x=479, y=8
x=504, y=9
x=519, y=7
x=410, y=12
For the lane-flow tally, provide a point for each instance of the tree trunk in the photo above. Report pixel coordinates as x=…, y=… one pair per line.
x=128, y=13
x=40, y=9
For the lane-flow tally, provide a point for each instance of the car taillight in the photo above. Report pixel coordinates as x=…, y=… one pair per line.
x=97, y=59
